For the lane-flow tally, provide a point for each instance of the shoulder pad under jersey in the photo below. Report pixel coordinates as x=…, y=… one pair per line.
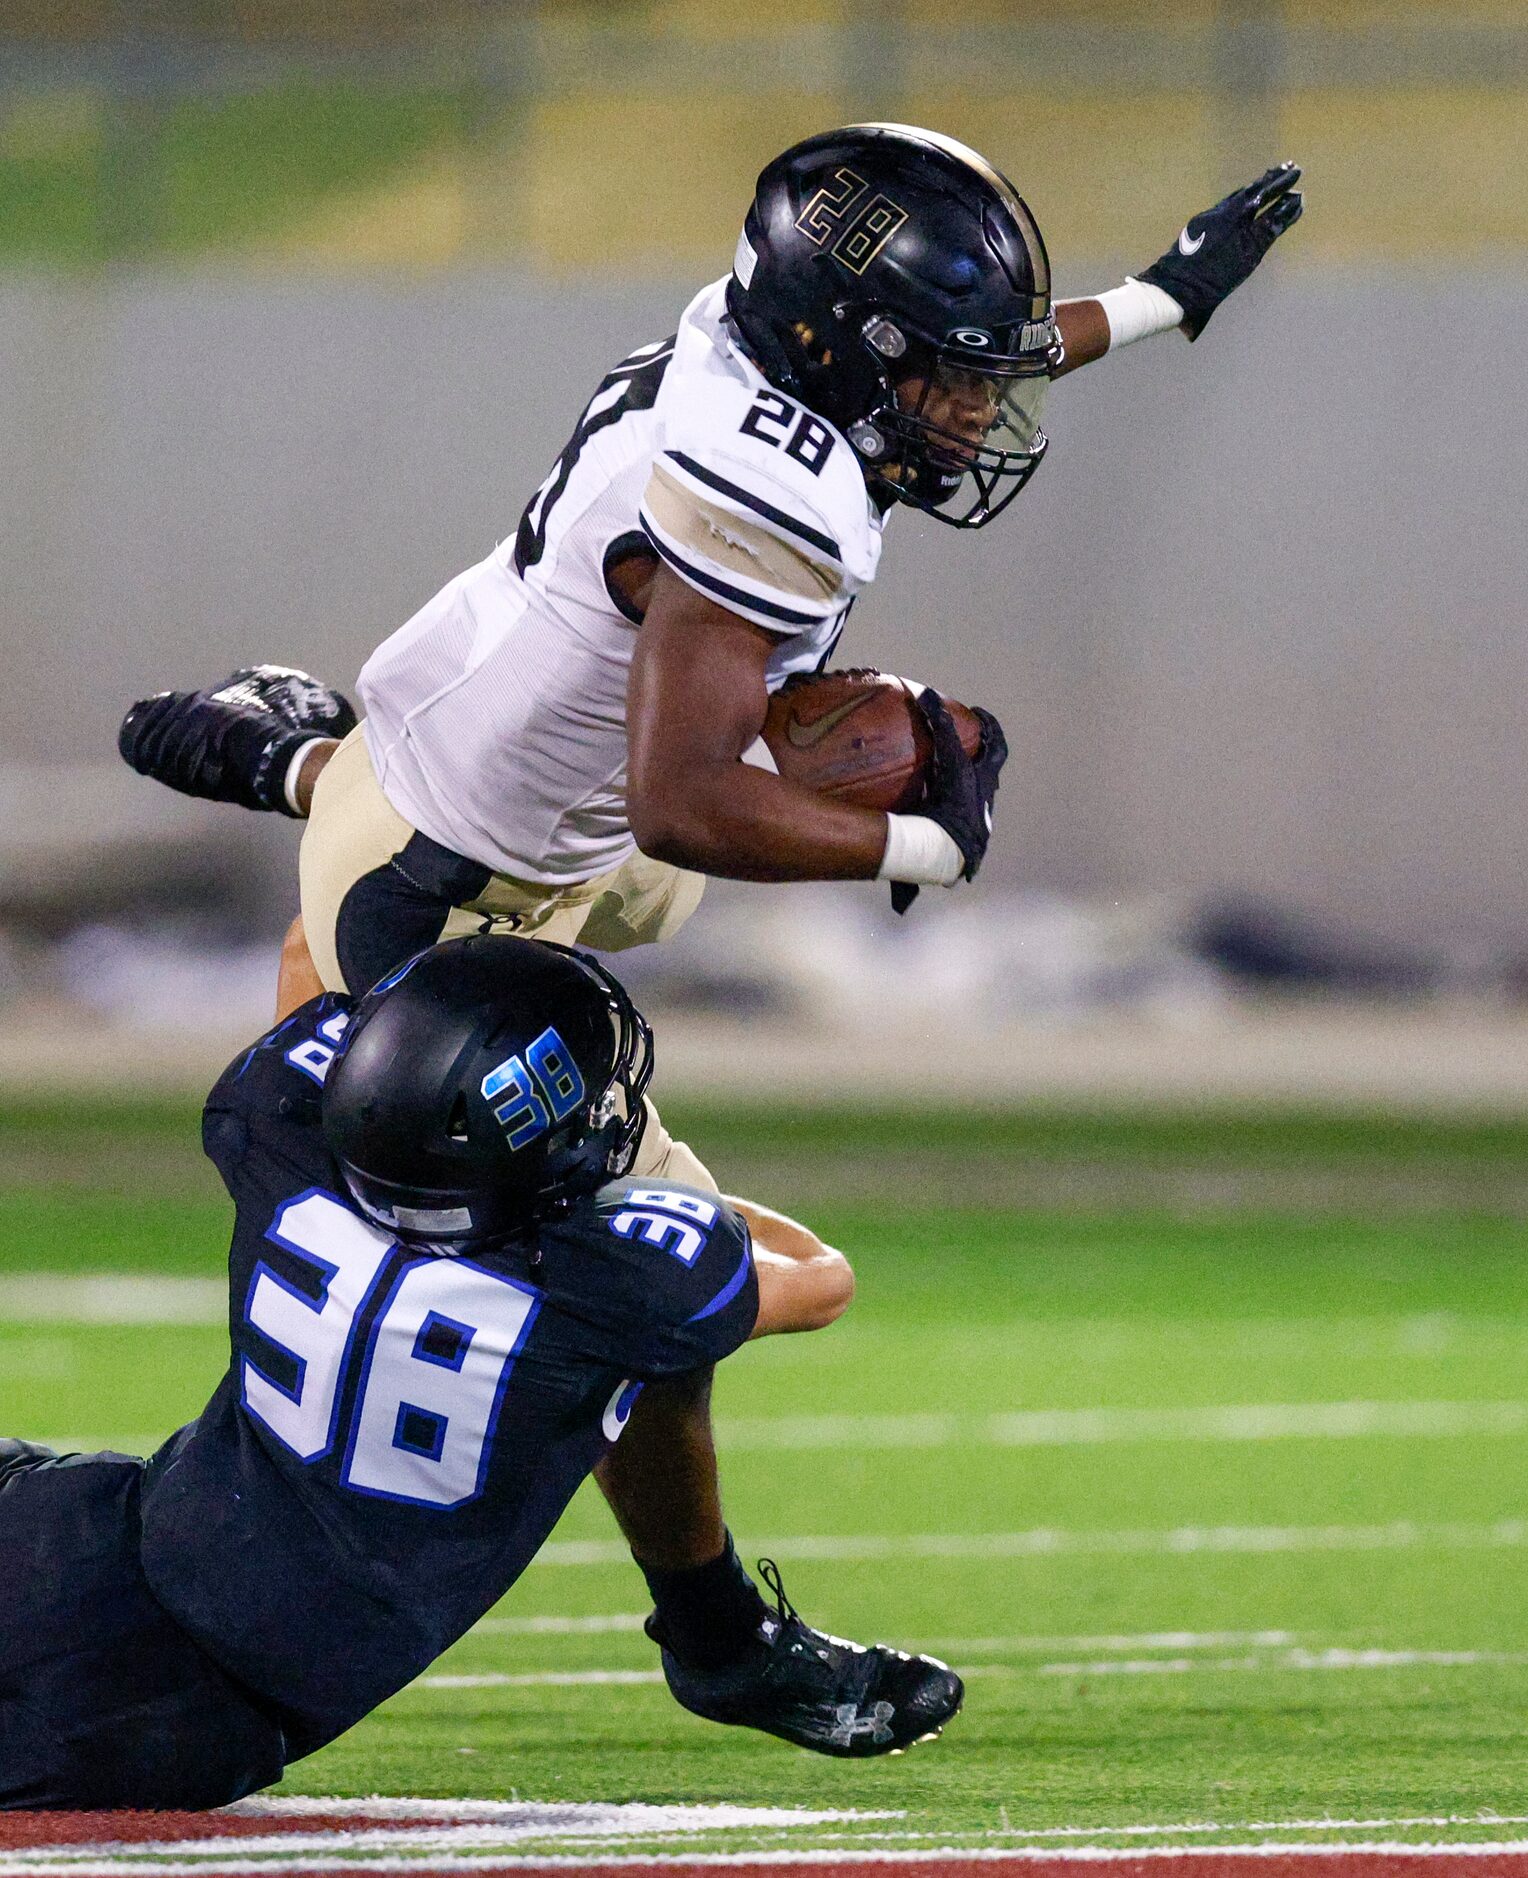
x=760, y=504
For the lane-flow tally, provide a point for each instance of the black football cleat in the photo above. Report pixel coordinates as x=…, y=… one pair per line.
x=820, y=1692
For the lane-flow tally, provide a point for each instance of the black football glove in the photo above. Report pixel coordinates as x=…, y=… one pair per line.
x=1218, y=249
x=961, y=788
x=234, y=741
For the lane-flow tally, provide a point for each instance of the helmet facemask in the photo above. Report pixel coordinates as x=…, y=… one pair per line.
x=954, y=418
x=601, y=1142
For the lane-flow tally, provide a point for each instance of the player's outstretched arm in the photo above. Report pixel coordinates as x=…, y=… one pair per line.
x=1216, y=252
x=696, y=702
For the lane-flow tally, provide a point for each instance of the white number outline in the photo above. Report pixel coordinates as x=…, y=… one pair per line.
x=314, y=1056
x=328, y=1270
x=658, y=1217
x=491, y=1422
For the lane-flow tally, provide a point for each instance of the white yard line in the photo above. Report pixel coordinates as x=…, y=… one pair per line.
x=111, y=1298
x=1095, y=1427
x=1144, y=1640
x=556, y=1815
x=564, y=1626
x=539, y=1679
x=622, y=1621
x=1187, y=1828
x=1402, y=1535
x=1287, y=1659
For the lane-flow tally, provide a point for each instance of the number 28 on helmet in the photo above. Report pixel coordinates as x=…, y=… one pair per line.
x=896, y=283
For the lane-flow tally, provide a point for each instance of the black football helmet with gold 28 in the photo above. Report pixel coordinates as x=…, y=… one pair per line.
x=885, y=274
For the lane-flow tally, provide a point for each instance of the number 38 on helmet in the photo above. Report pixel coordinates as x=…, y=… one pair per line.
x=896, y=283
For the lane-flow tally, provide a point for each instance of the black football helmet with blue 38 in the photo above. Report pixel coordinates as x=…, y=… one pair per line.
x=484, y=1085
x=881, y=266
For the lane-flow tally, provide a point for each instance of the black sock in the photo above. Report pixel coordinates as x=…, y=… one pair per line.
x=710, y=1614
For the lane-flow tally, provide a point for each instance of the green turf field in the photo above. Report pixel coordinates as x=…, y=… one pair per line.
x=1197, y=1443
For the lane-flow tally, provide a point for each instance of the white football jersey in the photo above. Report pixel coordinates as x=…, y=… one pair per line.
x=496, y=718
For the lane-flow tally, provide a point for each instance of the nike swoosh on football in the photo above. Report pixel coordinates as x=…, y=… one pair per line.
x=1185, y=246
x=803, y=736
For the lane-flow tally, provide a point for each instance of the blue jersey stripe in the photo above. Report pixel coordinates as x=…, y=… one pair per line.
x=728, y=1291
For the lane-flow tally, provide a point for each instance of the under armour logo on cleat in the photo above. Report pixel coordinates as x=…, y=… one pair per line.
x=849, y=1724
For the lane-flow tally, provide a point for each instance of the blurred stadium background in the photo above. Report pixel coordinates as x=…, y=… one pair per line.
x=298, y=300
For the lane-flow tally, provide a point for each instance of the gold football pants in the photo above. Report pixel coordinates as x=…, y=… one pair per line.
x=375, y=891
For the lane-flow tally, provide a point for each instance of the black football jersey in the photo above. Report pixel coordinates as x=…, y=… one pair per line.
x=398, y=1432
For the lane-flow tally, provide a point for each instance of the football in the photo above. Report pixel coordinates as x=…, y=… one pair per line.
x=857, y=736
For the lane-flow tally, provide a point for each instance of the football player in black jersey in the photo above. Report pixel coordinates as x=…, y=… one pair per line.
x=448, y=1305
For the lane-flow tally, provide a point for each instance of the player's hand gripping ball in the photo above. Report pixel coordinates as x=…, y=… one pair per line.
x=881, y=743
x=233, y=742
x=859, y=737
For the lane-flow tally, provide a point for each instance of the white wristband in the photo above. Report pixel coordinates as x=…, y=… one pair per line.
x=919, y=853
x=1137, y=310
x=294, y=771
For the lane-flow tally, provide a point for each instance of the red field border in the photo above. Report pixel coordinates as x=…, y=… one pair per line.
x=1311, y=1861
x=423, y=1837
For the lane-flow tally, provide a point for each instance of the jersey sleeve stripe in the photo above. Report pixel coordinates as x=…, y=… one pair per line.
x=728, y=1291
x=730, y=596
x=814, y=537
x=727, y=543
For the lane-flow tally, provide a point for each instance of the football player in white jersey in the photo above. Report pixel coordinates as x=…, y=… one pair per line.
x=552, y=744
x=558, y=744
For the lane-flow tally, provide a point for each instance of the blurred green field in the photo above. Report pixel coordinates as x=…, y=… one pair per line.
x=1211, y=1481
x=82, y=182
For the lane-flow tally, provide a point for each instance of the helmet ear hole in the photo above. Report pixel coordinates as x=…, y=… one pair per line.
x=456, y=1121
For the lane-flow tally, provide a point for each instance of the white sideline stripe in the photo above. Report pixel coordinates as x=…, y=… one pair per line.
x=1105, y=1666
x=1399, y=1535
x=1093, y=1427
x=1409, y=1823
x=557, y=1815
x=111, y=1298
x=1143, y=1640
x=426, y=1846
x=595, y=1824
x=33, y=1867
x=539, y=1679
x=1288, y=1659
x=1146, y=1640
x=561, y=1626
x=128, y=1299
